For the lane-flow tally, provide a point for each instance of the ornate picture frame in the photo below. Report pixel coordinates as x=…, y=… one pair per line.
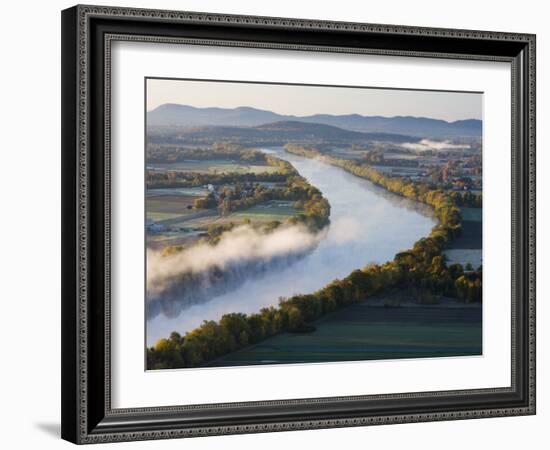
x=88, y=33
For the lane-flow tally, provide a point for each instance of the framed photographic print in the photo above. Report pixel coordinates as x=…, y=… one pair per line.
x=280, y=224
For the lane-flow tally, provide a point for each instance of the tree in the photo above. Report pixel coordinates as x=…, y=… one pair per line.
x=294, y=318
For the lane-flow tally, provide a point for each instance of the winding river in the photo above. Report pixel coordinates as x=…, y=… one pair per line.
x=368, y=225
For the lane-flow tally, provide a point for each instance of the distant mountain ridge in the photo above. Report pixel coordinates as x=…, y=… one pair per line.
x=280, y=132
x=176, y=115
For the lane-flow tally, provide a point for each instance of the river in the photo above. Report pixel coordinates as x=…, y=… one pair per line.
x=368, y=225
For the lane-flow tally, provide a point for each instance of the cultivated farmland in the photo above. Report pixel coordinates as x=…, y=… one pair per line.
x=363, y=332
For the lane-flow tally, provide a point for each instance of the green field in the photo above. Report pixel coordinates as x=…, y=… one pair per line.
x=347, y=153
x=472, y=214
x=360, y=332
x=225, y=168
x=157, y=216
x=159, y=241
x=215, y=166
x=464, y=256
x=190, y=191
x=168, y=206
x=273, y=210
x=472, y=230
x=470, y=236
x=263, y=213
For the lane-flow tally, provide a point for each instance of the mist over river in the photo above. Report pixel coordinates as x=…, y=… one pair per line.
x=368, y=224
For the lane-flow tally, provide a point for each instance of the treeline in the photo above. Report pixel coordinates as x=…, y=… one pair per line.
x=420, y=269
x=157, y=153
x=316, y=209
x=176, y=179
x=181, y=179
x=398, y=185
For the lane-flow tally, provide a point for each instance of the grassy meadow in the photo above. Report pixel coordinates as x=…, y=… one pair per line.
x=363, y=332
x=213, y=166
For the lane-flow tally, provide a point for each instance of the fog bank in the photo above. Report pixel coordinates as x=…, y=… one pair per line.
x=426, y=144
x=179, y=280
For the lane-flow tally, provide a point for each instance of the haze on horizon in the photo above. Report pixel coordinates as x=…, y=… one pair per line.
x=302, y=100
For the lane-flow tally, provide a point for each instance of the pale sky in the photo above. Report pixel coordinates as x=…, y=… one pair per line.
x=300, y=100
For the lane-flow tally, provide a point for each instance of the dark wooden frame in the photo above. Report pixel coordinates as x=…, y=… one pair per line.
x=87, y=32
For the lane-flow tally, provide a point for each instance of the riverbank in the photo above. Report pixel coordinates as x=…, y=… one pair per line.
x=367, y=331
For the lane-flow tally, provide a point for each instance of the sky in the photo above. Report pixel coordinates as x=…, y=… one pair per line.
x=302, y=100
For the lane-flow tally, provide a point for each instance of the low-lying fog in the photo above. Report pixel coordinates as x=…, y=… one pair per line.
x=427, y=144
x=368, y=224
x=177, y=281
